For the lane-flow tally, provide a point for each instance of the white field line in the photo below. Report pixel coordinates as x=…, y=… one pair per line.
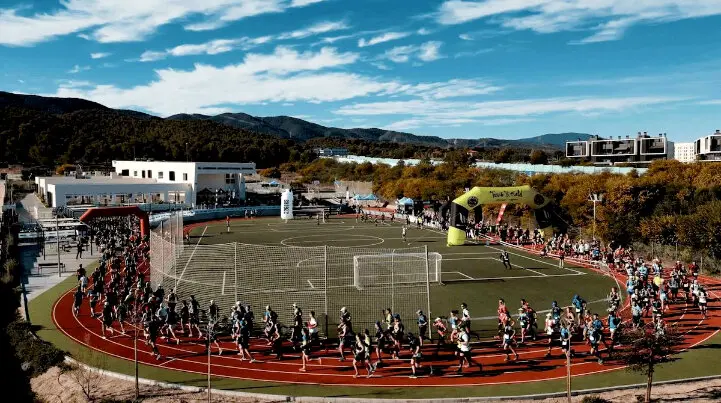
x=192, y=254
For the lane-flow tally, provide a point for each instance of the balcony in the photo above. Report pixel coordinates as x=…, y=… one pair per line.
x=621, y=147
x=652, y=146
x=577, y=149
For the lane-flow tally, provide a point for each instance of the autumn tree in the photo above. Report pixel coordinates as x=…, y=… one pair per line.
x=645, y=348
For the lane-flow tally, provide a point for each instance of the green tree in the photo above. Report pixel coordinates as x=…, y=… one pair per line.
x=645, y=349
x=538, y=157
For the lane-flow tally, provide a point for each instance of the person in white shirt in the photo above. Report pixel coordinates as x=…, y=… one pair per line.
x=463, y=350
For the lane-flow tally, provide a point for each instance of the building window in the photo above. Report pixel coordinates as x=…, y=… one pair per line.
x=135, y=174
x=125, y=172
x=160, y=174
x=185, y=177
x=143, y=172
x=229, y=179
x=150, y=173
x=171, y=175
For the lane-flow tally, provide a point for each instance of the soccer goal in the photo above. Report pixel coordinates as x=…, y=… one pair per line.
x=390, y=269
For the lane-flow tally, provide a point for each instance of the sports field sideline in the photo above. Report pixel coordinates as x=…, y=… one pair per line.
x=471, y=273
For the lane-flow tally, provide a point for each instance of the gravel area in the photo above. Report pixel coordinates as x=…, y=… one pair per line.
x=57, y=386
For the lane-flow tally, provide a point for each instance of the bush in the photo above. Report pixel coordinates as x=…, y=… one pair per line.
x=40, y=355
x=594, y=399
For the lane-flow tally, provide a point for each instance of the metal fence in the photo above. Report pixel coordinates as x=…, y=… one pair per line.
x=319, y=279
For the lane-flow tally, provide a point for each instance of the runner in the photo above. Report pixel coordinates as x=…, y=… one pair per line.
x=243, y=341
x=227, y=224
x=506, y=260
x=463, y=351
x=361, y=355
x=441, y=330
x=702, y=301
x=509, y=339
x=414, y=344
x=305, y=349
x=107, y=318
x=550, y=328
x=77, y=301
x=422, y=327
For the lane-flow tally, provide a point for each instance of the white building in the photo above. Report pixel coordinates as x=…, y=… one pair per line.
x=640, y=150
x=684, y=152
x=708, y=148
x=157, y=182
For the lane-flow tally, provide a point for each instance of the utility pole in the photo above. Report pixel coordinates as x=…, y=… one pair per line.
x=595, y=198
x=568, y=371
x=57, y=239
x=135, y=352
x=209, y=385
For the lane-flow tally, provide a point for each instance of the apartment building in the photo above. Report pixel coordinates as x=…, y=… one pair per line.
x=639, y=150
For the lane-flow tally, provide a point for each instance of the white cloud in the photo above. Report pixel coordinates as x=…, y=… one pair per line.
x=218, y=46
x=77, y=69
x=303, y=3
x=430, y=51
x=204, y=26
x=711, y=102
x=126, y=20
x=386, y=37
x=546, y=16
x=319, y=28
x=523, y=108
x=285, y=75
x=473, y=53
x=99, y=55
x=426, y=52
x=151, y=56
x=465, y=37
x=451, y=89
x=424, y=31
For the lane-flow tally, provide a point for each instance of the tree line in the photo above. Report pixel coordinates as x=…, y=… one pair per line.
x=672, y=204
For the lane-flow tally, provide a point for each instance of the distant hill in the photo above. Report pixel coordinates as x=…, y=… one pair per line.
x=47, y=104
x=301, y=130
x=557, y=139
x=287, y=127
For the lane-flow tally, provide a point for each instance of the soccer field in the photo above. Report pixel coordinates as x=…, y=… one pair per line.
x=472, y=273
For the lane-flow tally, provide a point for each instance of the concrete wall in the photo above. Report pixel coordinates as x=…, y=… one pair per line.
x=60, y=191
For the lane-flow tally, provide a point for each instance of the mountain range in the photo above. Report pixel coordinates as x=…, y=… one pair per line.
x=287, y=127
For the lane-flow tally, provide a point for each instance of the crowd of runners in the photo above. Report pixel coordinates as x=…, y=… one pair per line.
x=119, y=294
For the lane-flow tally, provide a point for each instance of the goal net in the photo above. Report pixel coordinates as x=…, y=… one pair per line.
x=396, y=269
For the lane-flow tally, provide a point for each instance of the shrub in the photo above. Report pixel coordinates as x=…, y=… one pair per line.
x=40, y=355
x=594, y=399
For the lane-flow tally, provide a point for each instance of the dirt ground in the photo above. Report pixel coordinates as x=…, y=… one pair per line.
x=56, y=386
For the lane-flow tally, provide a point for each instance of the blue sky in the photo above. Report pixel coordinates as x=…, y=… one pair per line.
x=455, y=68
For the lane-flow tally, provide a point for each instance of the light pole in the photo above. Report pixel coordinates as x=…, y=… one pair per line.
x=57, y=238
x=595, y=198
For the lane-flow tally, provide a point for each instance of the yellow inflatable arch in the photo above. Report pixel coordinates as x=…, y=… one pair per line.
x=478, y=196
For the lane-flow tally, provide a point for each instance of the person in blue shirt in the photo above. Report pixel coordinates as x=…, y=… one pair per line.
x=580, y=306
x=422, y=327
x=565, y=336
x=597, y=326
x=614, y=321
x=556, y=312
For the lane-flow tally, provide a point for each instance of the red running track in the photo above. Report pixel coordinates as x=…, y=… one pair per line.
x=531, y=366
